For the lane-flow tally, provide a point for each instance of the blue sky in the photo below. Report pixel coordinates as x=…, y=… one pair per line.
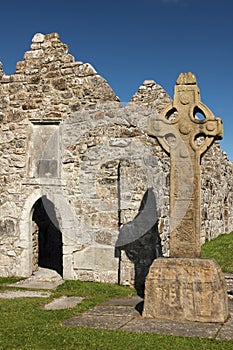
x=130, y=41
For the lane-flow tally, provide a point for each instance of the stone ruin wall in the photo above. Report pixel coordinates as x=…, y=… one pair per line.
x=107, y=161
x=117, y=162
x=47, y=87
x=217, y=194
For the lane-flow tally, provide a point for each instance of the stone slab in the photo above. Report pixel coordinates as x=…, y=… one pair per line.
x=63, y=302
x=45, y=275
x=185, y=289
x=226, y=331
x=133, y=301
x=184, y=329
x=108, y=322
x=109, y=310
x=33, y=284
x=135, y=323
x=41, y=279
x=23, y=294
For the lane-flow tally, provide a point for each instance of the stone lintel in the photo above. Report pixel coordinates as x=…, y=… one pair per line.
x=186, y=289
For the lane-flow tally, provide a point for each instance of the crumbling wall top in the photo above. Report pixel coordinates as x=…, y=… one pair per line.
x=50, y=84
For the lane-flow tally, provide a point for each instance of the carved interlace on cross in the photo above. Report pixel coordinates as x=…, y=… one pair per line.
x=185, y=130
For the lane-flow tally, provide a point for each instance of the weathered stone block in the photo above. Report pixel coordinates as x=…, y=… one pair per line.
x=96, y=258
x=186, y=289
x=68, y=267
x=7, y=227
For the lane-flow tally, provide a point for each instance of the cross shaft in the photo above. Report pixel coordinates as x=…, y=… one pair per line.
x=185, y=137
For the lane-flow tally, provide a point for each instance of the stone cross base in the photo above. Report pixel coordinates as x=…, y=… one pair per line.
x=184, y=289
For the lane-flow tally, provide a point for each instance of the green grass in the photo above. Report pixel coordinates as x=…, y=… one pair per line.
x=25, y=325
x=4, y=280
x=220, y=249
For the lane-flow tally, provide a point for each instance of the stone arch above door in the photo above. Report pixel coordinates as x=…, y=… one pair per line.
x=25, y=239
x=67, y=223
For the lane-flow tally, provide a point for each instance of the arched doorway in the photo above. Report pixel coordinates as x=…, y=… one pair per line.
x=47, y=238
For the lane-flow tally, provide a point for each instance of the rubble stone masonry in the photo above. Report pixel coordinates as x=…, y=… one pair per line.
x=66, y=137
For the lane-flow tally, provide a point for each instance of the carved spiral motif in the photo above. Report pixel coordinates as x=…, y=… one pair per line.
x=184, y=129
x=185, y=98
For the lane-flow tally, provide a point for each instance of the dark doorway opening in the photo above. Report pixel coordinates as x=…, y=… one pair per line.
x=49, y=235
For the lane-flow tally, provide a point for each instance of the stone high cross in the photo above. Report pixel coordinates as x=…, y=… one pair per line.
x=185, y=136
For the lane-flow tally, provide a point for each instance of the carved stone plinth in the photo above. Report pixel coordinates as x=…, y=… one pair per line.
x=186, y=289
